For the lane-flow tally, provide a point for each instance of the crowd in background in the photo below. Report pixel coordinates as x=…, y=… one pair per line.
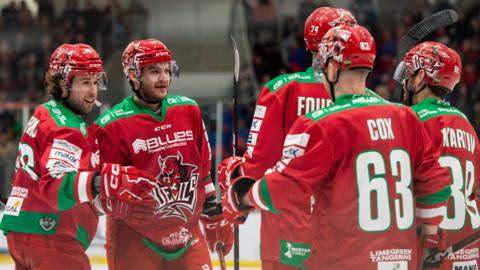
x=27, y=41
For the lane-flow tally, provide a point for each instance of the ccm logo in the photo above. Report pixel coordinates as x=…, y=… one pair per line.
x=163, y=127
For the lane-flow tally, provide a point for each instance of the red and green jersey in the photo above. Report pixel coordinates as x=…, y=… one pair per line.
x=51, y=187
x=364, y=160
x=454, y=136
x=281, y=101
x=173, y=147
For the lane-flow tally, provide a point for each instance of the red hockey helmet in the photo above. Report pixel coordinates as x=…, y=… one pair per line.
x=321, y=20
x=442, y=65
x=69, y=60
x=145, y=52
x=349, y=46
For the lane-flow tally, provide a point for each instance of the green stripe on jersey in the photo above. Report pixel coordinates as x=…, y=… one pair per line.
x=66, y=192
x=346, y=102
x=65, y=117
x=437, y=197
x=82, y=237
x=31, y=222
x=431, y=107
x=302, y=77
x=128, y=107
x=266, y=196
x=167, y=255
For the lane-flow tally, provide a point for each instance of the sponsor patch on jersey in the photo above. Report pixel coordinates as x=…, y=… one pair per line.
x=64, y=156
x=252, y=138
x=465, y=265
x=19, y=192
x=13, y=207
x=163, y=142
x=395, y=265
x=31, y=129
x=292, y=253
x=291, y=152
x=297, y=139
x=260, y=111
x=256, y=124
x=177, y=238
x=465, y=254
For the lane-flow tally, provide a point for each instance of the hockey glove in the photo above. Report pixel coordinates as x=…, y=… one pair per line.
x=133, y=212
x=429, y=247
x=229, y=169
x=124, y=183
x=233, y=209
x=218, y=231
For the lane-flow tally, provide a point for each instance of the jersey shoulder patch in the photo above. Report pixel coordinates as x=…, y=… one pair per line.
x=63, y=117
x=125, y=108
x=285, y=79
x=434, y=108
x=179, y=100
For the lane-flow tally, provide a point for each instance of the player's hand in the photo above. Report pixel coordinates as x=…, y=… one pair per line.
x=125, y=183
x=229, y=169
x=429, y=247
x=133, y=212
x=233, y=208
x=218, y=232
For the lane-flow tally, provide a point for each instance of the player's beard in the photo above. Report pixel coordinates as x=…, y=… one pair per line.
x=151, y=96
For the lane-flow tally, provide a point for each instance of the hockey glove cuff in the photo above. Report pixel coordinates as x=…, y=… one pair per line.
x=229, y=169
x=233, y=209
x=125, y=183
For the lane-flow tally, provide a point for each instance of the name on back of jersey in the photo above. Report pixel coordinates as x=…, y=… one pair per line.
x=310, y=104
x=458, y=138
x=380, y=129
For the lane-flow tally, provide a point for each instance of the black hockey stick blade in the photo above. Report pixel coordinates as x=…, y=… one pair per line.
x=456, y=247
x=236, y=72
x=425, y=27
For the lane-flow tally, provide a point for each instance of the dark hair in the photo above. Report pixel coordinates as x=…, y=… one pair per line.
x=52, y=84
x=439, y=91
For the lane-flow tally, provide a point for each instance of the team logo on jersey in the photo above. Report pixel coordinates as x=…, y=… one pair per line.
x=47, y=223
x=176, y=190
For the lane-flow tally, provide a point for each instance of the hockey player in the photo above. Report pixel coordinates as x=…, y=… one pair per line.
x=49, y=218
x=364, y=159
x=432, y=71
x=165, y=135
x=280, y=102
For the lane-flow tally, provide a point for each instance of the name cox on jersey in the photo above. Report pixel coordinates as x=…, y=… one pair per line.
x=159, y=143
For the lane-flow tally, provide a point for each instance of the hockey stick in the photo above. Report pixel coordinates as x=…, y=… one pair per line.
x=438, y=257
x=236, y=71
x=418, y=32
x=221, y=256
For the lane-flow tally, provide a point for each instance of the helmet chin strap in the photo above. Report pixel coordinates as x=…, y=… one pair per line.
x=66, y=103
x=410, y=93
x=331, y=84
x=140, y=95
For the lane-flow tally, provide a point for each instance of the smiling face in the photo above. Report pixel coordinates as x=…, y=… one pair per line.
x=83, y=93
x=156, y=81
